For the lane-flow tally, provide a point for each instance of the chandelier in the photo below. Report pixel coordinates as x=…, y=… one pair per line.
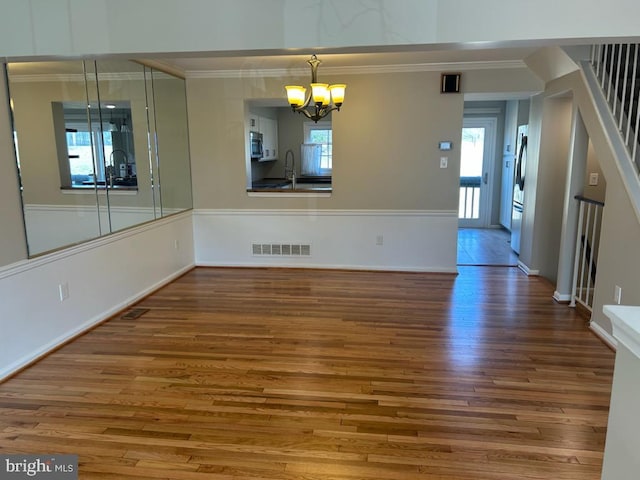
x=326, y=98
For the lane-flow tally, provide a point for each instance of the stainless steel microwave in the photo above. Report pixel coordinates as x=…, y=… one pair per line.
x=256, y=145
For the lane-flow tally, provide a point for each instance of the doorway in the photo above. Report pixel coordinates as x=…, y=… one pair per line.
x=478, y=243
x=477, y=151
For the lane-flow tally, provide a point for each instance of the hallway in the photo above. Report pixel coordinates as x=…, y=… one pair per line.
x=485, y=246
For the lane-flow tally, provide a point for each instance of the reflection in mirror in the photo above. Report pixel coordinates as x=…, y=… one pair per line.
x=38, y=92
x=75, y=143
x=86, y=166
x=170, y=122
x=122, y=85
x=93, y=103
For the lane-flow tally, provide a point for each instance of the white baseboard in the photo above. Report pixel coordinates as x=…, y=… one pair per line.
x=527, y=270
x=393, y=268
x=36, y=355
x=561, y=297
x=102, y=277
x=605, y=336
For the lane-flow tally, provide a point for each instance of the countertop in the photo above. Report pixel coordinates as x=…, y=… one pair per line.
x=304, y=184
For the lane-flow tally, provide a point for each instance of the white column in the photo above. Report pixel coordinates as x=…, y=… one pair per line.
x=621, y=459
x=576, y=171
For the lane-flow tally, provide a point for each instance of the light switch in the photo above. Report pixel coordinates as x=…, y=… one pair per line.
x=593, y=179
x=444, y=162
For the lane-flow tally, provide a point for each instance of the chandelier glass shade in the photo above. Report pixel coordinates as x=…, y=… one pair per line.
x=325, y=97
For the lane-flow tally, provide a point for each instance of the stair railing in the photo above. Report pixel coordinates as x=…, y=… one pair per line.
x=585, y=261
x=617, y=69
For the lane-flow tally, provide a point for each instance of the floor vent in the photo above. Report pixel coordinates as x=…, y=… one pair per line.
x=281, y=249
x=134, y=313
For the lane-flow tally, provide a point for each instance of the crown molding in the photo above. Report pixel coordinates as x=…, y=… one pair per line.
x=75, y=77
x=358, y=70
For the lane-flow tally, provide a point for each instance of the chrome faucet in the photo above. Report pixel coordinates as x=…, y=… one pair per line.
x=126, y=160
x=290, y=170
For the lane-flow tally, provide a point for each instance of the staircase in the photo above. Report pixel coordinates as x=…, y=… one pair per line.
x=617, y=69
x=614, y=70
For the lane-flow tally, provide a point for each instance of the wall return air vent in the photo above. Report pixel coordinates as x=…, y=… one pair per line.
x=281, y=249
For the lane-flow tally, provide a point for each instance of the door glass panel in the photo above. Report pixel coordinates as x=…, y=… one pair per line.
x=471, y=158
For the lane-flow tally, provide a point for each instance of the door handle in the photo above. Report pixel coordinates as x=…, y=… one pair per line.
x=485, y=178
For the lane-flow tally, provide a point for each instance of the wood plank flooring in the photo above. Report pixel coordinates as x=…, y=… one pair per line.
x=485, y=246
x=334, y=375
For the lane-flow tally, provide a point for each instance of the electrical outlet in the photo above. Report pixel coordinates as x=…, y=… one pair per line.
x=593, y=179
x=176, y=244
x=617, y=294
x=444, y=162
x=63, y=291
x=379, y=240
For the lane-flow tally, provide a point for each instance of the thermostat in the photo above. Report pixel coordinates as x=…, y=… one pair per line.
x=445, y=145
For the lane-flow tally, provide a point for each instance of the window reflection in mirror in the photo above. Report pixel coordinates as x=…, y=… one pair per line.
x=126, y=162
x=37, y=90
x=304, y=149
x=85, y=166
x=114, y=164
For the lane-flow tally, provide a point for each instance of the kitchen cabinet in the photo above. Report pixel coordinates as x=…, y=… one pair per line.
x=254, y=123
x=269, y=130
x=268, y=127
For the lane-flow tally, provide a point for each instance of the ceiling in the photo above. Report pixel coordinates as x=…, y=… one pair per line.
x=410, y=56
x=347, y=60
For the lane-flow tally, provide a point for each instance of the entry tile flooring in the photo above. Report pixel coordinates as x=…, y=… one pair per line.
x=485, y=246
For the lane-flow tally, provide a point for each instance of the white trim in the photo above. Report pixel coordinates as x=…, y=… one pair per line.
x=355, y=70
x=101, y=191
x=482, y=111
x=527, y=270
x=26, y=360
x=92, y=208
x=335, y=266
x=561, y=297
x=625, y=321
x=74, y=77
x=26, y=265
x=291, y=193
x=603, y=335
x=328, y=212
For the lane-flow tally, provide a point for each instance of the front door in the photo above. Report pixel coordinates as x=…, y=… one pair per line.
x=476, y=152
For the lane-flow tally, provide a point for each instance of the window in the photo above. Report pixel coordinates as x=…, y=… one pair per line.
x=320, y=134
x=94, y=151
x=80, y=146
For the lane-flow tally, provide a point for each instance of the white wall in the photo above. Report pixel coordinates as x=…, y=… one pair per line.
x=102, y=276
x=51, y=226
x=78, y=27
x=361, y=239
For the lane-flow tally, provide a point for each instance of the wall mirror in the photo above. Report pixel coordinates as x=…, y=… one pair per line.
x=115, y=161
x=92, y=138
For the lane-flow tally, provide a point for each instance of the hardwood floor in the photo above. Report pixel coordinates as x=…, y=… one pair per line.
x=485, y=246
x=332, y=375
